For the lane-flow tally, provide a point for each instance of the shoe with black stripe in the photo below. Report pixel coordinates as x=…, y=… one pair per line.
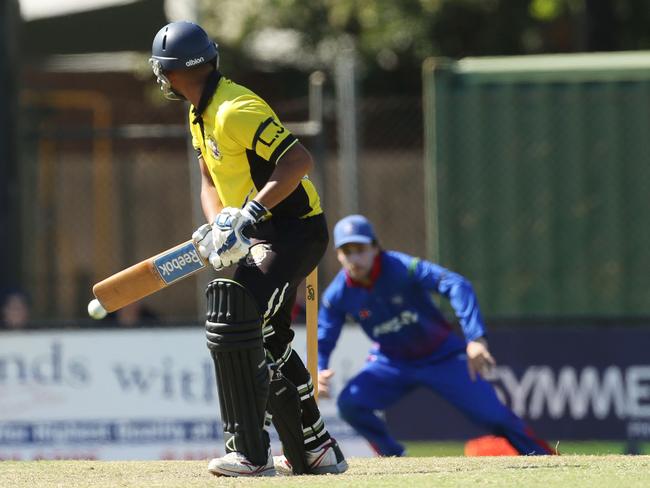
x=326, y=459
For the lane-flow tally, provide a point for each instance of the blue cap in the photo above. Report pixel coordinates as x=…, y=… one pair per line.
x=353, y=228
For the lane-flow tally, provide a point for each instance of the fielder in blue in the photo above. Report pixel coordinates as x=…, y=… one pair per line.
x=390, y=295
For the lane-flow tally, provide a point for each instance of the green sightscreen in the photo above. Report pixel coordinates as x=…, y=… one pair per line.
x=538, y=170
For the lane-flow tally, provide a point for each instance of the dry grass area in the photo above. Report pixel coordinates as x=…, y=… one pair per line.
x=440, y=472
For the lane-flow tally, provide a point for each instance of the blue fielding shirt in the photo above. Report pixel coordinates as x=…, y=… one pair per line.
x=398, y=312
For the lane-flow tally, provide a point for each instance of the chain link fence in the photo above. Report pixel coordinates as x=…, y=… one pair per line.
x=533, y=185
x=106, y=182
x=105, y=185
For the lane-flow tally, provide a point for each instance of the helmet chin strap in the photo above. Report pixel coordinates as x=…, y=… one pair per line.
x=165, y=85
x=174, y=95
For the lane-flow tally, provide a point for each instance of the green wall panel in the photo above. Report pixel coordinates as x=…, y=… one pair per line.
x=538, y=176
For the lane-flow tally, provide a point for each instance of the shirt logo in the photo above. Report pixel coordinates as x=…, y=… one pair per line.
x=397, y=300
x=396, y=323
x=214, y=149
x=269, y=132
x=364, y=314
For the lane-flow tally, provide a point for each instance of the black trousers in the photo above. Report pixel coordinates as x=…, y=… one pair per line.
x=284, y=252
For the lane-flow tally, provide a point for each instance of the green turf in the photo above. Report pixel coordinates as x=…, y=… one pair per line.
x=426, y=449
x=440, y=472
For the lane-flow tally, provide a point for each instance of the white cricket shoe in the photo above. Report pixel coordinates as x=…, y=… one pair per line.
x=236, y=464
x=325, y=459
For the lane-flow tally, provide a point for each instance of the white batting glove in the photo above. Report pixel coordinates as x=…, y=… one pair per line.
x=215, y=261
x=222, y=228
x=202, y=238
x=228, y=258
x=229, y=239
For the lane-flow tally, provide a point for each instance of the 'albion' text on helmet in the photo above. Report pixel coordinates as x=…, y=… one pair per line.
x=181, y=45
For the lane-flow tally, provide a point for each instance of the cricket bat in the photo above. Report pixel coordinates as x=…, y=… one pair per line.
x=149, y=276
x=168, y=267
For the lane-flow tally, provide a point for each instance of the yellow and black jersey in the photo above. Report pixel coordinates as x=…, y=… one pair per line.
x=241, y=140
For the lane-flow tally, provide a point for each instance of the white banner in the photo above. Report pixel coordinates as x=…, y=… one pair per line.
x=131, y=394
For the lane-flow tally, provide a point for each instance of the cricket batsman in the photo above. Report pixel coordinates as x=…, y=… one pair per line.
x=264, y=217
x=390, y=295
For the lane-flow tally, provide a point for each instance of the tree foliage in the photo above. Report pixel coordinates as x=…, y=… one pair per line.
x=394, y=36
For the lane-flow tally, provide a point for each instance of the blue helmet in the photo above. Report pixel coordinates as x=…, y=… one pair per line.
x=179, y=46
x=353, y=229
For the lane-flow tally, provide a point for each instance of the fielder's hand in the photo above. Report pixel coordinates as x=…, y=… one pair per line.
x=229, y=233
x=324, y=382
x=479, y=359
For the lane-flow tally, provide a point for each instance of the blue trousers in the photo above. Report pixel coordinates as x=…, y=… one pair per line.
x=383, y=382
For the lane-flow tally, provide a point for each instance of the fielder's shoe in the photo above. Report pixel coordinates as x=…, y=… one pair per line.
x=236, y=464
x=328, y=458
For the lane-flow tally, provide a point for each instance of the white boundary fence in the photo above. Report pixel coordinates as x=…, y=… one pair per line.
x=130, y=394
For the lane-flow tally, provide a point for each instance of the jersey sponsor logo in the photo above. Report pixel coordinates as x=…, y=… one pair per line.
x=179, y=263
x=396, y=323
x=195, y=61
x=270, y=132
x=214, y=148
